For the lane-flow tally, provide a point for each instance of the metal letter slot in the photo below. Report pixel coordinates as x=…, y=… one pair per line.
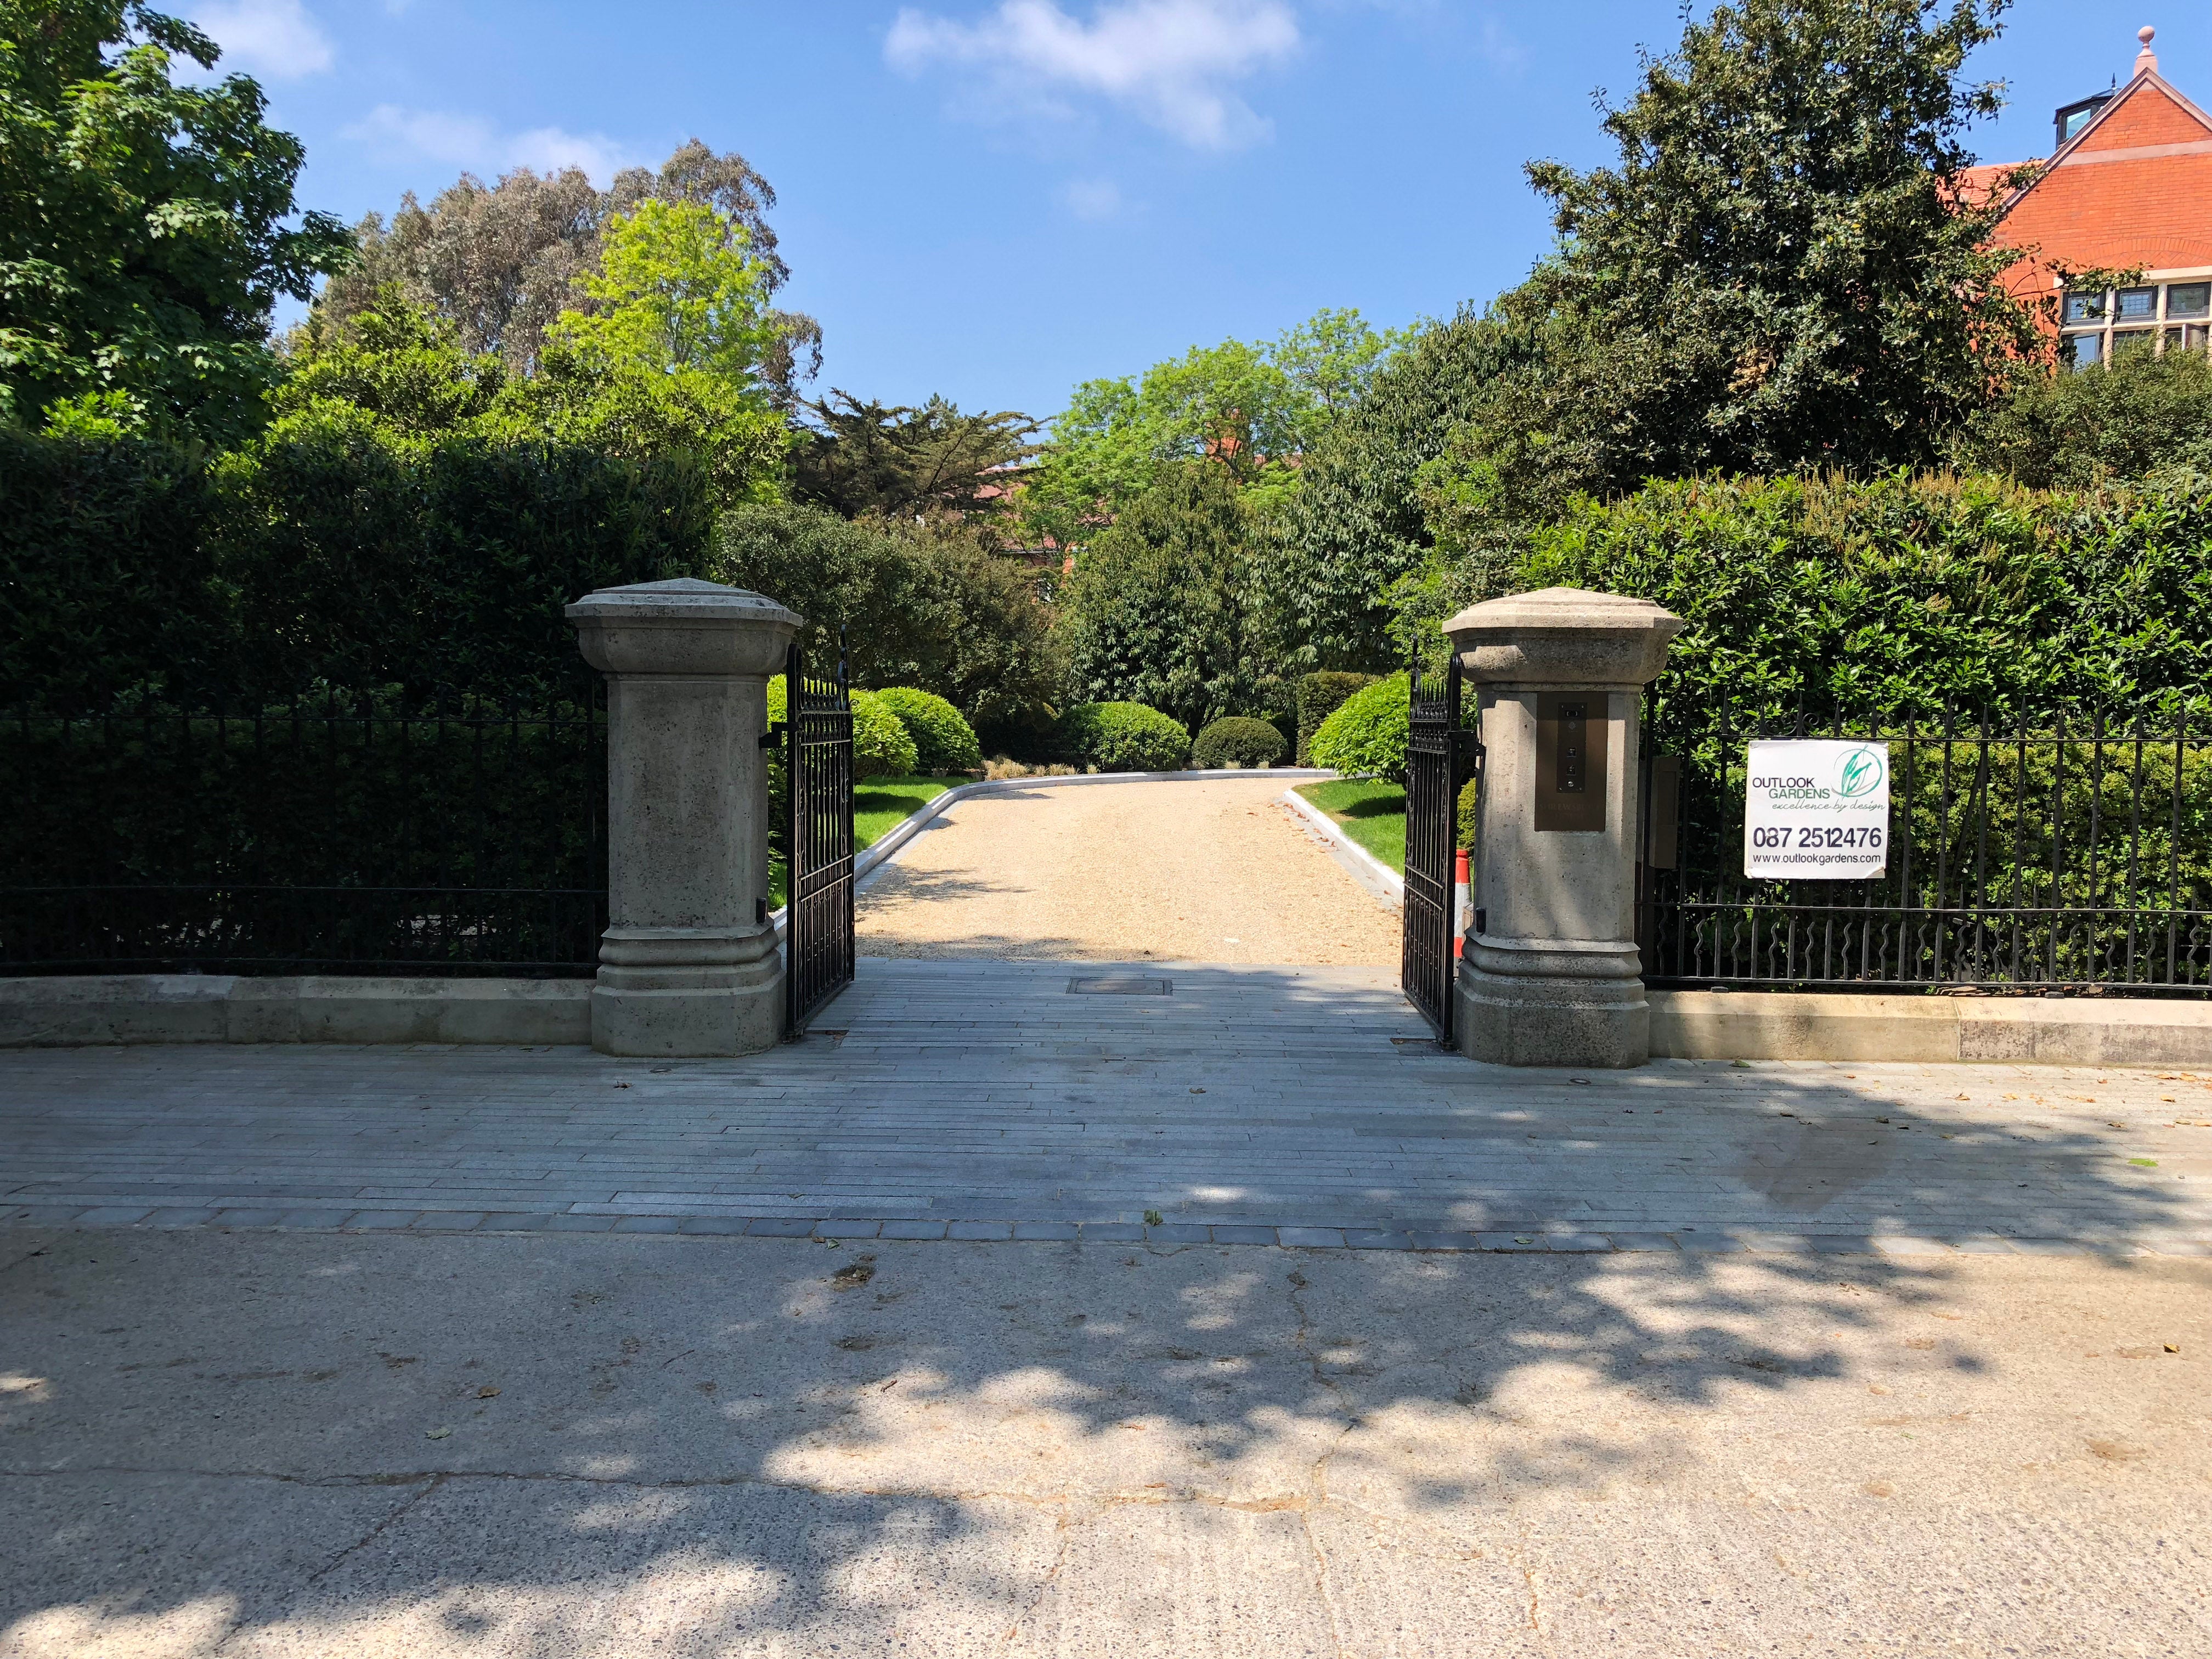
x=1570, y=755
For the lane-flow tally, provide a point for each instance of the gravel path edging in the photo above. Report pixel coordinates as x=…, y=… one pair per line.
x=1370, y=871
x=893, y=840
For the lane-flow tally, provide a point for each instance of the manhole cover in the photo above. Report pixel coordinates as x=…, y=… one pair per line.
x=1110, y=987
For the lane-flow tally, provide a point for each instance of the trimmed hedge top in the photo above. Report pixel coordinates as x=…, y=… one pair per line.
x=942, y=736
x=1367, y=734
x=1237, y=740
x=1123, y=737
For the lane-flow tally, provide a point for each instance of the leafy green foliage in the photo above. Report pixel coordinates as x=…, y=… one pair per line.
x=1367, y=735
x=364, y=561
x=323, y=552
x=925, y=605
x=944, y=741
x=2076, y=431
x=399, y=364
x=107, y=577
x=859, y=460
x=1355, y=525
x=501, y=262
x=143, y=239
x=1122, y=737
x=669, y=360
x=1896, y=596
x=882, y=748
x=1236, y=740
x=1249, y=410
x=1159, y=611
x=1321, y=695
x=1779, y=271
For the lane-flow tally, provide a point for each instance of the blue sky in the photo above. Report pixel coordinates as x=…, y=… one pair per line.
x=996, y=198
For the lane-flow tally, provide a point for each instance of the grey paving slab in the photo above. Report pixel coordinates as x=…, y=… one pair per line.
x=981, y=1094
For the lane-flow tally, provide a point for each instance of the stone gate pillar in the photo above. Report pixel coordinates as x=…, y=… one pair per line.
x=1553, y=978
x=687, y=965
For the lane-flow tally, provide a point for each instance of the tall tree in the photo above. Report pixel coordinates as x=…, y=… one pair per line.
x=1355, y=526
x=1780, y=269
x=501, y=261
x=669, y=357
x=1250, y=410
x=145, y=229
x=858, y=459
x=1162, y=608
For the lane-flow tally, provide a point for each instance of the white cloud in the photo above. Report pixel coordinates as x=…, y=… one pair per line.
x=1169, y=60
x=470, y=141
x=1092, y=199
x=273, y=37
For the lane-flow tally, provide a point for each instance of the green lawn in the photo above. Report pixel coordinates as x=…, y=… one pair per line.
x=1373, y=813
x=878, y=805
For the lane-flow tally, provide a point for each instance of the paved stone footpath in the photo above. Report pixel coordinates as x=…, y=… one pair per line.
x=1301, y=1106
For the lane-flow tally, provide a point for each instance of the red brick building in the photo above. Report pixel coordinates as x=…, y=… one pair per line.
x=2128, y=187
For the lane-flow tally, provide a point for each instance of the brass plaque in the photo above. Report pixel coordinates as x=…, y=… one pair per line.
x=1570, y=745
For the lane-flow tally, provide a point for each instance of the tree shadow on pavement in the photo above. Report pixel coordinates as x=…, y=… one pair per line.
x=251, y=1443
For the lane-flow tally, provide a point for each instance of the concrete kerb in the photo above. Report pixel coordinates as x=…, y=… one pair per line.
x=834, y=1233
x=895, y=840
x=1377, y=878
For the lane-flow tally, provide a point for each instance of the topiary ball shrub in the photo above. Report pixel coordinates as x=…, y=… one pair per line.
x=1236, y=740
x=1366, y=735
x=881, y=747
x=942, y=736
x=1123, y=737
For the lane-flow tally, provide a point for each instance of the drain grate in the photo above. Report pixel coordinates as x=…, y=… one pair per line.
x=1112, y=987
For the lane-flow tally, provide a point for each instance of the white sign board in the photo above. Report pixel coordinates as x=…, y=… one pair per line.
x=1817, y=810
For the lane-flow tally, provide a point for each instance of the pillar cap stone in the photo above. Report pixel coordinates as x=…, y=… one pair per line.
x=1563, y=636
x=684, y=626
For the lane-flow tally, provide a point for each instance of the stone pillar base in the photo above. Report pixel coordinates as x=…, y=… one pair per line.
x=1579, y=1005
x=671, y=992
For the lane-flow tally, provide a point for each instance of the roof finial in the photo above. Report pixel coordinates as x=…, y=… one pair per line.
x=2146, y=60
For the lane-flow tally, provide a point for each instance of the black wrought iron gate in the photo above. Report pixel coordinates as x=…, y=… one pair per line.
x=1437, y=762
x=818, y=754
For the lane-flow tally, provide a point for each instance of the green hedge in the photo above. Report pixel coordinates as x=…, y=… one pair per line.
x=339, y=557
x=944, y=741
x=1122, y=737
x=1320, y=696
x=1237, y=740
x=1892, y=597
x=1367, y=733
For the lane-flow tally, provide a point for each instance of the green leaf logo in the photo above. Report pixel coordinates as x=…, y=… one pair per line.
x=1862, y=773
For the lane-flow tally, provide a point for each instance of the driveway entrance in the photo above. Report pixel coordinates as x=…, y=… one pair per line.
x=1212, y=870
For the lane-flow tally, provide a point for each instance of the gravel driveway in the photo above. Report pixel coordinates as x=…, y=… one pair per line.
x=1217, y=871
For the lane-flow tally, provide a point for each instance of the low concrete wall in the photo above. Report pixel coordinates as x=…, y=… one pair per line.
x=2070, y=1031
x=67, y=1010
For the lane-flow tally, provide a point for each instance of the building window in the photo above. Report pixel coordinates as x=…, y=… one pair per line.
x=2099, y=325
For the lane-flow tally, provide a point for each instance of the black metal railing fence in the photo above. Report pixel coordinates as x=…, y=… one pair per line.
x=2063, y=854
x=339, y=832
